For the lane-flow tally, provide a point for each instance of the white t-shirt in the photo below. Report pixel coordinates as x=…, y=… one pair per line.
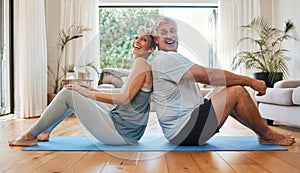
x=174, y=98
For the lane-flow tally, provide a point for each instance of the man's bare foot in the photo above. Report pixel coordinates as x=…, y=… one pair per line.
x=43, y=137
x=25, y=140
x=279, y=139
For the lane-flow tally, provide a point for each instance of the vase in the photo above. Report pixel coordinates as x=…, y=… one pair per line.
x=70, y=75
x=269, y=77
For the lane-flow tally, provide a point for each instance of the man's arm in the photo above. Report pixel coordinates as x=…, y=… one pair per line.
x=218, y=77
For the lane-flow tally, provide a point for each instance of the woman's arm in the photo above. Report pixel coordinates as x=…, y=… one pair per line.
x=134, y=83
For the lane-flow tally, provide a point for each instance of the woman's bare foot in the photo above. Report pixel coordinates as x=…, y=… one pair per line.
x=25, y=140
x=278, y=139
x=43, y=137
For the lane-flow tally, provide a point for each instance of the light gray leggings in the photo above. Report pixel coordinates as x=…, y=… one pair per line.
x=92, y=115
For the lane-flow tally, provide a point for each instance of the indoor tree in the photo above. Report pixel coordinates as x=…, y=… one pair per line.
x=266, y=54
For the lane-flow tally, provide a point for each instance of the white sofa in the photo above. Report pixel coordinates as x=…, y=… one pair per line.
x=281, y=103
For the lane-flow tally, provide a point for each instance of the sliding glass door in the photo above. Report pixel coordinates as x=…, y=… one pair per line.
x=5, y=52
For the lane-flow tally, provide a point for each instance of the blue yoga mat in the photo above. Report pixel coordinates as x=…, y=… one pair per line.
x=216, y=143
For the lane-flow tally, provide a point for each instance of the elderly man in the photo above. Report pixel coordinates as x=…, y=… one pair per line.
x=185, y=117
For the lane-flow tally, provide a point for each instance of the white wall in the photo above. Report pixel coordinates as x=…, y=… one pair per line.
x=284, y=10
x=266, y=8
x=52, y=8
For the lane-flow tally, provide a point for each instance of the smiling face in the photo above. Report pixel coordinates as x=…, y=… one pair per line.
x=166, y=36
x=142, y=44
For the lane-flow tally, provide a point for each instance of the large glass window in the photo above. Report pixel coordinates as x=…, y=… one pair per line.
x=4, y=57
x=197, y=27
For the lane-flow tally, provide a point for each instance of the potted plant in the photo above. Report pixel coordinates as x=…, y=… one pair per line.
x=268, y=55
x=69, y=71
x=64, y=37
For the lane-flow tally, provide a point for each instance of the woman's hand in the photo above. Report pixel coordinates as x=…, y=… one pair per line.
x=88, y=87
x=83, y=89
x=73, y=87
x=76, y=87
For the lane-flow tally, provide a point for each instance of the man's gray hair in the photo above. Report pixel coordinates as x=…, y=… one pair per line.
x=160, y=21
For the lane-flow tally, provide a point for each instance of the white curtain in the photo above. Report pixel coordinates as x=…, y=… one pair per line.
x=233, y=14
x=30, y=58
x=82, y=12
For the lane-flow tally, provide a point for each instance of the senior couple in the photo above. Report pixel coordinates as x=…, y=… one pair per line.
x=185, y=117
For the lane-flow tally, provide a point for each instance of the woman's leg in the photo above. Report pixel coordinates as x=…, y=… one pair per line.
x=93, y=118
x=46, y=134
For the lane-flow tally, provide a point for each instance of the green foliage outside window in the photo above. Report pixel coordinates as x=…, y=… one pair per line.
x=117, y=28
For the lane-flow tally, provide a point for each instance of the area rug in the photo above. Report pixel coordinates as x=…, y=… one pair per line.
x=217, y=143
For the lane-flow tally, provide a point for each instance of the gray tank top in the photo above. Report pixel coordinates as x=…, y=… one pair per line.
x=131, y=119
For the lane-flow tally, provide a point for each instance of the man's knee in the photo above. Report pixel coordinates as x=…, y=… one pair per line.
x=238, y=90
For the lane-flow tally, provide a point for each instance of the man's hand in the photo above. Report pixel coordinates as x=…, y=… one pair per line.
x=259, y=86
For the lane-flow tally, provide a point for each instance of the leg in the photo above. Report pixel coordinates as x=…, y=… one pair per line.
x=93, y=118
x=46, y=134
x=237, y=102
x=51, y=117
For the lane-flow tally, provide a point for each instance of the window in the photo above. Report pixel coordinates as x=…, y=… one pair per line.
x=5, y=94
x=197, y=26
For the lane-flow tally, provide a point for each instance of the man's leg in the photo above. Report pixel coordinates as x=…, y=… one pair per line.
x=237, y=102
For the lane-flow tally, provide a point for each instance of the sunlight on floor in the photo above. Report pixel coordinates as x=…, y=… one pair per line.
x=10, y=117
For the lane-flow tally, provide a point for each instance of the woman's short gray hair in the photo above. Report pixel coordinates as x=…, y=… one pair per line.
x=144, y=30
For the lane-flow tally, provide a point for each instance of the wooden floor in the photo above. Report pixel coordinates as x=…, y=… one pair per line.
x=14, y=160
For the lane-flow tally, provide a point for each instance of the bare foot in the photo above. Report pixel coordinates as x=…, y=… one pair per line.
x=279, y=139
x=43, y=137
x=25, y=140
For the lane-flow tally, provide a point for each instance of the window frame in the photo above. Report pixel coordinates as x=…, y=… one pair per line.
x=212, y=50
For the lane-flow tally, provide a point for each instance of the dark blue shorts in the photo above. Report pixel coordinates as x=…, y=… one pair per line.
x=202, y=125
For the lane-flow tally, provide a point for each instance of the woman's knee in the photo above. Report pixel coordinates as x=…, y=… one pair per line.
x=64, y=93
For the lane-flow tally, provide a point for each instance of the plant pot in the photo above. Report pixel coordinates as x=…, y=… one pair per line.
x=50, y=97
x=269, y=78
x=70, y=75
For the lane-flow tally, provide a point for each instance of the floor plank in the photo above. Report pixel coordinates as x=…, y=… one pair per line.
x=181, y=162
x=271, y=163
x=205, y=160
x=13, y=159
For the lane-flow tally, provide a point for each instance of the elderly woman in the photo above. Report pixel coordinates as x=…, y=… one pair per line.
x=124, y=124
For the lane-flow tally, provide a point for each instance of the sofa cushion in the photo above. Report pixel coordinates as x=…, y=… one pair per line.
x=279, y=96
x=114, y=76
x=287, y=84
x=108, y=78
x=296, y=96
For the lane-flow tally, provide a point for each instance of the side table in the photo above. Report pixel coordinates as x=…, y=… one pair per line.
x=77, y=81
